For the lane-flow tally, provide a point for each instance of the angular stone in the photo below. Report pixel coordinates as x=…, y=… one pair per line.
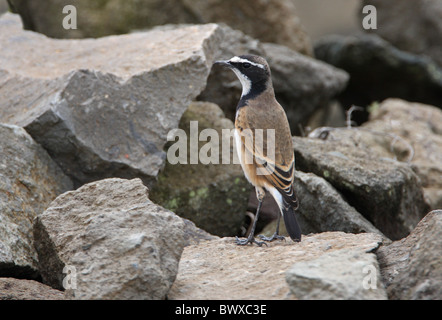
x=103, y=107
x=386, y=192
x=339, y=275
x=117, y=243
x=29, y=181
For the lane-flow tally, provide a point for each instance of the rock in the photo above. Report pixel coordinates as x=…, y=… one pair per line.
x=273, y=21
x=213, y=196
x=16, y=289
x=29, y=181
x=102, y=115
x=411, y=25
x=412, y=267
x=386, y=192
x=117, y=243
x=322, y=208
x=219, y=269
x=379, y=71
x=302, y=84
x=278, y=21
x=393, y=117
x=339, y=275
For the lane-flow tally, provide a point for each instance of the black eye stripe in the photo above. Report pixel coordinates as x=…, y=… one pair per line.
x=246, y=65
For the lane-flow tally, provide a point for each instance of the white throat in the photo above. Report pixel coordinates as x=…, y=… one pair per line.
x=245, y=82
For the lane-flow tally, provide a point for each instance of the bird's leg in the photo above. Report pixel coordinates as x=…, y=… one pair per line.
x=251, y=238
x=276, y=235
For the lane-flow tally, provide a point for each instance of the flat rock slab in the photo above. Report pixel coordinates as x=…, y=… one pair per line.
x=103, y=107
x=219, y=269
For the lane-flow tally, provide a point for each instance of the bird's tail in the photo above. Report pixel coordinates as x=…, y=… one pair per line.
x=291, y=224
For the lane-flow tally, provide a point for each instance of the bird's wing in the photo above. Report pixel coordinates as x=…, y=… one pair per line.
x=273, y=156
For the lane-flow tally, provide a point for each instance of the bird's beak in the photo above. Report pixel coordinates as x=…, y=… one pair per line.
x=224, y=63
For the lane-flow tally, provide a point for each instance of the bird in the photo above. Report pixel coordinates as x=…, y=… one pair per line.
x=269, y=166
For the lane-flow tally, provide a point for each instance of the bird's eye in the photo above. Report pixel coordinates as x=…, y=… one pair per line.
x=246, y=65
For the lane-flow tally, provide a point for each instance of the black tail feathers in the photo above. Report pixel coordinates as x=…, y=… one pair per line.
x=291, y=224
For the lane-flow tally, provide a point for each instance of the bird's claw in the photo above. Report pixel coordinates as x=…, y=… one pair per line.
x=246, y=241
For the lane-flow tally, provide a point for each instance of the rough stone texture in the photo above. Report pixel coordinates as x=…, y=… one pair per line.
x=339, y=275
x=421, y=127
x=29, y=181
x=220, y=269
x=302, y=84
x=214, y=196
x=322, y=208
x=379, y=71
x=269, y=21
x=411, y=25
x=103, y=107
x=15, y=289
x=388, y=193
x=412, y=267
x=121, y=245
x=272, y=21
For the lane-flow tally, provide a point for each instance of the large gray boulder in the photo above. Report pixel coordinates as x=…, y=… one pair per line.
x=386, y=192
x=107, y=240
x=411, y=25
x=103, y=115
x=29, y=181
x=378, y=70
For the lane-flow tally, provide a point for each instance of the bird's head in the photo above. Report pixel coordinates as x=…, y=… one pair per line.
x=253, y=72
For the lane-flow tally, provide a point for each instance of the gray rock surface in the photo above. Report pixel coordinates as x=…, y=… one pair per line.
x=213, y=196
x=99, y=116
x=339, y=275
x=411, y=25
x=18, y=289
x=379, y=71
x=220, y=269
x=117, y=242
x=322, y=208
x=412, y=267
x=386, y=192
x=29, y=181
x=419, y=127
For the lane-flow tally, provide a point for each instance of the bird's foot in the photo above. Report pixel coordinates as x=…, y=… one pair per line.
x=272, y=238
x=246, y=241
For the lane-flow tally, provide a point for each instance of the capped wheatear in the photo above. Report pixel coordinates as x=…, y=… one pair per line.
x=264, y=143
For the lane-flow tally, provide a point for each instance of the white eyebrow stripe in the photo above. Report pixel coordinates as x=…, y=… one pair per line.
x=240, y=60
